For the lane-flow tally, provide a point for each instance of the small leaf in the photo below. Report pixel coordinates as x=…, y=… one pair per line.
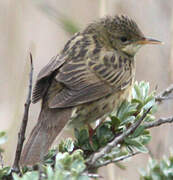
x=128, y=120
x=83, y=177
x=66, y=146
x=149, y=104
x=138, y=131
x=149, y=118
x=104, y=134
x=83, y=136
x=136, y=93
x=131, y=141
x=115, y=122
x=27, y=176
x=50, y=173
x=136, y=101
x=78, y=165
x=145, y=89
x=145, y=139
x=5, y=172
x=136, y=144
x=141, y=148
x=3, y=137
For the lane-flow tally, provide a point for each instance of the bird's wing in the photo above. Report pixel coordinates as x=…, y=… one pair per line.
x=55, y=63
x=89, y=80
x=43, y=78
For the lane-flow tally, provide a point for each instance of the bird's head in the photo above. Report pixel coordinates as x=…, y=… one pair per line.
x=122, y=33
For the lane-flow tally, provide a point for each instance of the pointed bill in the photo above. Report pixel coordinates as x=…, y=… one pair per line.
x=149, y=41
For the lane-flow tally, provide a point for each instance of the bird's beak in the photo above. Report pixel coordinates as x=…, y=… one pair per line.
x=149, y=41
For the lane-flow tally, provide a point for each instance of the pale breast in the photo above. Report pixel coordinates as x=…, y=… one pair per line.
x=90, y=112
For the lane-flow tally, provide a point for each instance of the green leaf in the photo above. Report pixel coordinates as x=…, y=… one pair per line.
x=50, y=173
x=141, y=148
x=83, y=136
x=27, y=176
x=145, y=87
x=126, y=109
x=136, y=144
x=162, y=170
x=137, y=101
x=3, y=137
x=136, y=92
x=49, y=158
x=128, y=120
x=5, y=172
x=66, y=146
x=115, y=122
x=149, y=104
x=130, y=141
x=145, y=139
x=78, y=166
x=149, y=118
x=83, y=177
x=104, y=134
x=138, y=131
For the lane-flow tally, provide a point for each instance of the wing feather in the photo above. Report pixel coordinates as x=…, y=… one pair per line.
x=82, y=81
x=88, y=81
x=43, y=78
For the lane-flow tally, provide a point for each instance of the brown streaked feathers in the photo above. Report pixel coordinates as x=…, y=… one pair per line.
x=91, y=75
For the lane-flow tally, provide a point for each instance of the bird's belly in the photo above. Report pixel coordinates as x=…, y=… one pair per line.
x=90, y=112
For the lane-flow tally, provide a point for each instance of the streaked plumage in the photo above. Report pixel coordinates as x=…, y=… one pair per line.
x=88, y=79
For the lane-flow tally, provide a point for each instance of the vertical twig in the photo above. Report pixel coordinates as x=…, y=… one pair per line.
x=21, y=134
x=91, y=161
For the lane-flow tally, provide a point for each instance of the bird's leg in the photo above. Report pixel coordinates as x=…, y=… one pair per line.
x=91, y=133
x=90, y=130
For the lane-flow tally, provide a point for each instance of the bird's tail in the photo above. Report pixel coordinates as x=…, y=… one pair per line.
x=49, y=125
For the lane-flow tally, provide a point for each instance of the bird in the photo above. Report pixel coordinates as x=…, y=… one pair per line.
x=90, y=77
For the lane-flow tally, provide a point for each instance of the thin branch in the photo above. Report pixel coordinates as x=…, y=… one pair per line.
x=21, y=134
x=164, y=95
x=158, y=122
x=121, y=158
x=159, y=98
x=93, y=158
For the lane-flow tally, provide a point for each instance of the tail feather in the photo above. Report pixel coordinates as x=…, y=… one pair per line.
x=49, y=125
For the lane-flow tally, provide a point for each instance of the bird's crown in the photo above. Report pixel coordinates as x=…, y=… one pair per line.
x=117, y=24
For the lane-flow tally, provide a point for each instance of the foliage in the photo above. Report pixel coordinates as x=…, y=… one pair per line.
x=162, y=170
x=66, y=167
x=4, y=171
x=69, y=161
x=127, y=114
x=3, y=139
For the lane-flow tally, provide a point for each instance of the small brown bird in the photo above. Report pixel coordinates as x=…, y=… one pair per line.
x=90, y=77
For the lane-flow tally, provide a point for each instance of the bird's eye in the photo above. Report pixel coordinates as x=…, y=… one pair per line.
x=123, y=39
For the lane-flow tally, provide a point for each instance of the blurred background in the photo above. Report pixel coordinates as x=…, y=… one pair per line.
x=43, y=27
